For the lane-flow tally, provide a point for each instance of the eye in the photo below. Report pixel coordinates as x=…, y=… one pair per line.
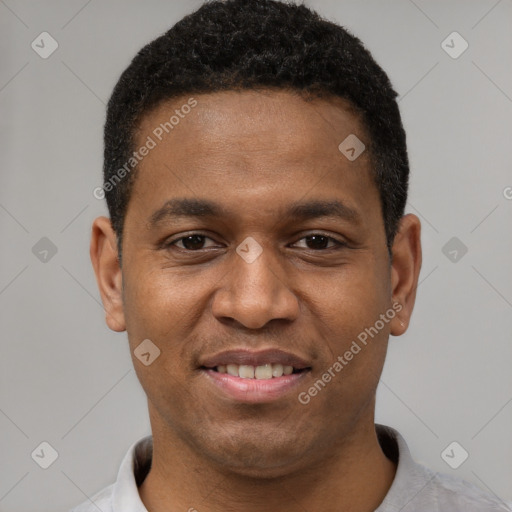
x=196, y=241
x=319, y=241
x=190, y=242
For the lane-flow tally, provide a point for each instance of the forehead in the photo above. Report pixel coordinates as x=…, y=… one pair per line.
x=252, y=146
x=254, y=120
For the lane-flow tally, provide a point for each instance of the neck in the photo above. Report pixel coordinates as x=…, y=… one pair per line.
x=355, y=475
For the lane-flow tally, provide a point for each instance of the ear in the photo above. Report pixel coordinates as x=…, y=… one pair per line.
x=104, y=257
x=405, y=270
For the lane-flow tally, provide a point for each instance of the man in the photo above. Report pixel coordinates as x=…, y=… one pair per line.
x=258, y=256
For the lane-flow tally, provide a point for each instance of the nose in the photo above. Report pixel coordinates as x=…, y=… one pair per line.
x=254, y=293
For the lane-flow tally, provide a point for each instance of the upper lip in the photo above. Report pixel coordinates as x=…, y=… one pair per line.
x=255, y=358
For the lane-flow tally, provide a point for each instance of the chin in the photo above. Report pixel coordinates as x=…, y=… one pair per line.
x=256, y=458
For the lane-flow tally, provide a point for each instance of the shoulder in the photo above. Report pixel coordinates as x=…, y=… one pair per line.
x=114, y=498
x=417, y=488
x=100, y=501
x=456, y=494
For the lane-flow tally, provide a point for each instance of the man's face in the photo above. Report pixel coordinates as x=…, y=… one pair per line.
x=318, y=282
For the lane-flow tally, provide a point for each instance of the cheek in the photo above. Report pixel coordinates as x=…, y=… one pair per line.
x=159, y=309
x=165, y=308
x=354, y=299
x=348, y=320
x=160, y=306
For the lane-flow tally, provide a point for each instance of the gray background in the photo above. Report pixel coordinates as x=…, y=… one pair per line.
x=68, y=380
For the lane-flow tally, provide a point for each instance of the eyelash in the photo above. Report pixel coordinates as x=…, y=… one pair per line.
x=339, y=244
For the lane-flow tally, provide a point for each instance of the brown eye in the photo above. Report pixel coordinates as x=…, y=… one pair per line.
x=319, y=242
x=193, y=242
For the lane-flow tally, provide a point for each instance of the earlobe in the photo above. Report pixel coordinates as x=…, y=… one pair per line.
x=105, y=261
x=405, y=270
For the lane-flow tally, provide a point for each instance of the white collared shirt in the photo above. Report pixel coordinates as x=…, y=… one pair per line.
x=415, y=488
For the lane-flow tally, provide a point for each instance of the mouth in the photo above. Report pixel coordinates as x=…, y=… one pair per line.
x=255, y=377
x=262, y=372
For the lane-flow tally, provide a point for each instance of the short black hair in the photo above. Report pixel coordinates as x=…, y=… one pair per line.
x=257, y=44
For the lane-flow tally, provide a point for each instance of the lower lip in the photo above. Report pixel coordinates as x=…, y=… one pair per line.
x=254, y=390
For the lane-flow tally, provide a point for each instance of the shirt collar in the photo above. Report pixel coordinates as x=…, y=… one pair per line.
x=125, y=495
x=410, y=477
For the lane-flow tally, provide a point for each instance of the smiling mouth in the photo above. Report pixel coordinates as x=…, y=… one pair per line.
x=261, y=372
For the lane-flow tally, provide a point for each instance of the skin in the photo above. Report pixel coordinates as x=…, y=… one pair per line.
x=255, y=153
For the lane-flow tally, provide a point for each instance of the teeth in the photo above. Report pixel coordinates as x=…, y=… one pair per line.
x=232, y=369
x=245, y=371
x=263, y=372
x=277, y=370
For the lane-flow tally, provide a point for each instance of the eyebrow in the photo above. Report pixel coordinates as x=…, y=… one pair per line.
x=200, y=208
